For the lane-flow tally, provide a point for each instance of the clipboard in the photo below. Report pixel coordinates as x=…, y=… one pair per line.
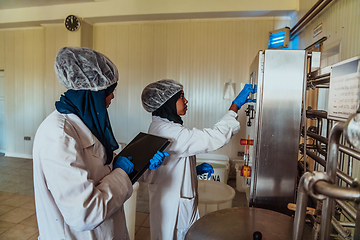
x=142, y=148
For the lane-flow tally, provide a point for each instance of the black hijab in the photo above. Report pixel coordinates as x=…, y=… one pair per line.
x=168, y=110
x=90, y=107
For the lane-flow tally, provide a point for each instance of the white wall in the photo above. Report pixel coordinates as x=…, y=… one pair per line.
x=202, y=54
x=23, y=61
x=31, y=88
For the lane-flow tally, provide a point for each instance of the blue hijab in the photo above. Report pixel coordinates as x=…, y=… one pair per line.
x=168, y=110
x=90, y=107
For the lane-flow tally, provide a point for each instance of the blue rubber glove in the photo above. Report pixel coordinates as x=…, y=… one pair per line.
x=125, y=164
x=204, y=168
x=157, y=159
x=244, y=94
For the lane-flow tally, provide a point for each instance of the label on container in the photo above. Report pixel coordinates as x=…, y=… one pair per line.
x=213, y=177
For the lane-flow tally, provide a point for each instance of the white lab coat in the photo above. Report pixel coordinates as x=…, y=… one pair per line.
x=76, y=195
x=173, y=186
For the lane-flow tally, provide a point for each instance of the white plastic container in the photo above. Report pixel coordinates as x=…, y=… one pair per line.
x=233, y=162
x=130, y=211
x=219, y=162
x=214, y=196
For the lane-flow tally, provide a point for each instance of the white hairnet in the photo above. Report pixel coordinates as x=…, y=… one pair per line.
x=84, y=69
x=157, y=93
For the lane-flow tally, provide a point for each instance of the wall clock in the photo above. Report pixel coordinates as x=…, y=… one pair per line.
x=72, y=23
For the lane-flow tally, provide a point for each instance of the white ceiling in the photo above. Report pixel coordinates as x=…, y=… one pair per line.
x=9, y=4
x=28, y=13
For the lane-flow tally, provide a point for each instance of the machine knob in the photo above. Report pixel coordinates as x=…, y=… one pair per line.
x=257, y=235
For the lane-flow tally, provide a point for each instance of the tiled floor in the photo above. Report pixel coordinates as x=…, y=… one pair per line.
x=17, y=205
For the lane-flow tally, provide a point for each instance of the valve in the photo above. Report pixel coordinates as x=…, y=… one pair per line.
x=246, y=169
x=250, y=113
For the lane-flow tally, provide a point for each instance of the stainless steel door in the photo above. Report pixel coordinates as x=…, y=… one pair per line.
x=279, y=75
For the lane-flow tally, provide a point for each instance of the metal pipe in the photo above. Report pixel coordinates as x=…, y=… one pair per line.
x=320, y=77
x=322, y=86
x=317, y=137
x=346, y=178
x=330, y=126
x=347, y=224
x=320, y=186
x=321, y=40
x=341, y=159
x=331, y=167
x=304, y=111
x=306, y=187
x=350, y=163
x=307, y=14
x=349, y=151
x=342, y=148
x=302, y=20
x=320, y=73
x=337, y=226
x=301, y=204
x=321, y=151
x=347, y=208
x=314, y=83
x=339, y=173
x=316, y=114
x=312, y=14
x=318, y=144
x=332, y=191
x=357, y=223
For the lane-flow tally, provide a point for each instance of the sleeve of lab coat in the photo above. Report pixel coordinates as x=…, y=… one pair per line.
x=83, y=205
x=196, y=141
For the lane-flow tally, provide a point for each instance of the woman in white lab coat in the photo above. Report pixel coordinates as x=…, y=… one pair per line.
x=173, y=186
x=79, y=191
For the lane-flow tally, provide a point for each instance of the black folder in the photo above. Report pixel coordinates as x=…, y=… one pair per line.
x=142, y=148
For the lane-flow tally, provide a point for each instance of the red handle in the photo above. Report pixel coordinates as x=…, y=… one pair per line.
x=246, y=142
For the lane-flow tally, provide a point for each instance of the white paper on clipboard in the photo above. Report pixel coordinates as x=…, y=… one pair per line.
x=344, y=92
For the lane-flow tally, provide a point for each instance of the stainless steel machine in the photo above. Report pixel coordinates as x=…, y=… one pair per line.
x=273, y=122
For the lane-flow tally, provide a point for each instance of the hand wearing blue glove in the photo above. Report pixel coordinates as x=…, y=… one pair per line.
x=125, y=164
x=157, y=159
x=204, y=168
x=242, y=98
